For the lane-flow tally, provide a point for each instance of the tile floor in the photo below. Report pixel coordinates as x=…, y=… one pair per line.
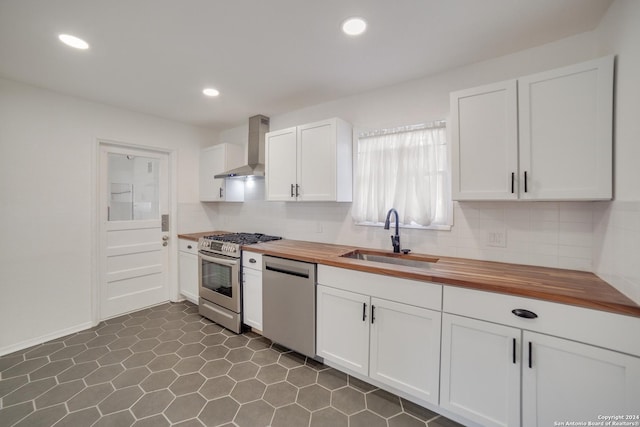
x=168, y=366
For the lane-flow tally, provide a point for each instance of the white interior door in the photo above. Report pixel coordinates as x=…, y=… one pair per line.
x=134, y=255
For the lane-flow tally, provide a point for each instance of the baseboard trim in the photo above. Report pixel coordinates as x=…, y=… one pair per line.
x=44, y=338
x=190, y=297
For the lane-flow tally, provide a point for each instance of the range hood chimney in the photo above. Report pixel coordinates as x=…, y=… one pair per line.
x=258, y=127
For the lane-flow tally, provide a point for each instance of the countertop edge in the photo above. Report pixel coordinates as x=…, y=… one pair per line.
x=468, y=282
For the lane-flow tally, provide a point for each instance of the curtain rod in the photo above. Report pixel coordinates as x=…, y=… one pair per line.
x=402, y=129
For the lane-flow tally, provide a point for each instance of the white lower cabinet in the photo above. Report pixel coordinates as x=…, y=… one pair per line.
x=252, y=289
x=566, y=380
x=499, y=369
x=481, y=370
x=343, y=328
x=392, y=342
x=404, y=350
x=188, y=269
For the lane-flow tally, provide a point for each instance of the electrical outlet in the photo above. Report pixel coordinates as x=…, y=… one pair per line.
x=497, y=238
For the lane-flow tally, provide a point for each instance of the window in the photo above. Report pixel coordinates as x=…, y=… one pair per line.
x=407, y=169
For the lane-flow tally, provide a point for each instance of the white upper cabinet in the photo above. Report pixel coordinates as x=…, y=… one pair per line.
x=484, y=131
x=547, y=136
x=280, y=164
x=566, y=131
x=217, y=159
x=311, y=162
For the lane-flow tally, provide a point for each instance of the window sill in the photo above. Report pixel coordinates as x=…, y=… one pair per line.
x=441, y=227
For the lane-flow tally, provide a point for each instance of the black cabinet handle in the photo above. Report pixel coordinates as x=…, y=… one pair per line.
x=525, y=181
x=364, y=311
x=525, y=314
x=514, y=350
x=513, y=180
x=373, y=313
x=530, y=356
x=291, y=190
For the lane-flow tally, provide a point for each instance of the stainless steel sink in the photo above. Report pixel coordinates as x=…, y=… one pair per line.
x=415, y=261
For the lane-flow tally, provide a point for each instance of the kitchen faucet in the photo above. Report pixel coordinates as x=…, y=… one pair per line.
x=395, y=239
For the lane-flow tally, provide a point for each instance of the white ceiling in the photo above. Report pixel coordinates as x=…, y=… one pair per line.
x=265, y=56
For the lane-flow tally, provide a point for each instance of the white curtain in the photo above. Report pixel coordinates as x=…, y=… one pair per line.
x=405, y=169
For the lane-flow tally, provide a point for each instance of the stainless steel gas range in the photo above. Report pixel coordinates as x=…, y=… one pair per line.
x=219, y=265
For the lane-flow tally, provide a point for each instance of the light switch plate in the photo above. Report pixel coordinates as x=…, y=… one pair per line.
x=497, y=238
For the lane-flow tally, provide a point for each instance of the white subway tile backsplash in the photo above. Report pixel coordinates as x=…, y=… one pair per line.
x=575, y=252
x=543, y=260
x=590, y=236
x=545, y=211
x=575, y=234
x=576, y=212
x=575, y=263
x=545, y=232
x=616, y=255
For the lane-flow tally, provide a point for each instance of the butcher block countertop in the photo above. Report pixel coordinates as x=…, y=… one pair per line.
x=196, y=236
x=551, y=284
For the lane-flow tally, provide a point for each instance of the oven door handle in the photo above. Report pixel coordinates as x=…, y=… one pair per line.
x=217, y=260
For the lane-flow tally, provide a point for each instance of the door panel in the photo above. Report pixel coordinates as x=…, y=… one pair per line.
x=316, y=154
x=280, y=158
x=484, y=135
x=480, y=376
x=568, y=380
x=134, y=193
x=417, y=348
x=343, y=328
x=565, y=132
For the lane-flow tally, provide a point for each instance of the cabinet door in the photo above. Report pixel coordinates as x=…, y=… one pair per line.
x=252, y=298
x=317, y=173
x=343, y=328
x=481, y=371
x=215, y=160
x=484, y=134
x=188, y=275
x=566, y=132
x=212, y=161
x=405, y=348
x=566, y=380
x=280, y=168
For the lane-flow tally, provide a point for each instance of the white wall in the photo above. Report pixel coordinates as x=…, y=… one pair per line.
x=47, y=161
x=617, y=229
x=547, y=234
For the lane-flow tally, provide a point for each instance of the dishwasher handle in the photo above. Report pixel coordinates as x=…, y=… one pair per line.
x=287, y=270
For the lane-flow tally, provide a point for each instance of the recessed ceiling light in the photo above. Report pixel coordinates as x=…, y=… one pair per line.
x=211, y=92
x=73, y=41
x=354, y=26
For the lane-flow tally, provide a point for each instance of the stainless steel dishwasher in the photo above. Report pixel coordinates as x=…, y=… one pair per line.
x=289, y=303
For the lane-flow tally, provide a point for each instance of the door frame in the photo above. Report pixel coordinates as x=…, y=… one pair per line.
x=97, y=255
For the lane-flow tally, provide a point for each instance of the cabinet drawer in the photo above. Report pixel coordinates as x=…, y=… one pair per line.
x=412, y=292
x=186, y=245
x=576, y=323
x=252, y=260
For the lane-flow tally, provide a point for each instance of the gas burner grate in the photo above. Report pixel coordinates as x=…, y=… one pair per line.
x=243, y=238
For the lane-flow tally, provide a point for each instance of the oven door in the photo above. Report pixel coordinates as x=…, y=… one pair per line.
x=219, y=280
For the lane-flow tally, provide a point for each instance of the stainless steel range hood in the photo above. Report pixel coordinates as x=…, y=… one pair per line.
x=258, y=127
